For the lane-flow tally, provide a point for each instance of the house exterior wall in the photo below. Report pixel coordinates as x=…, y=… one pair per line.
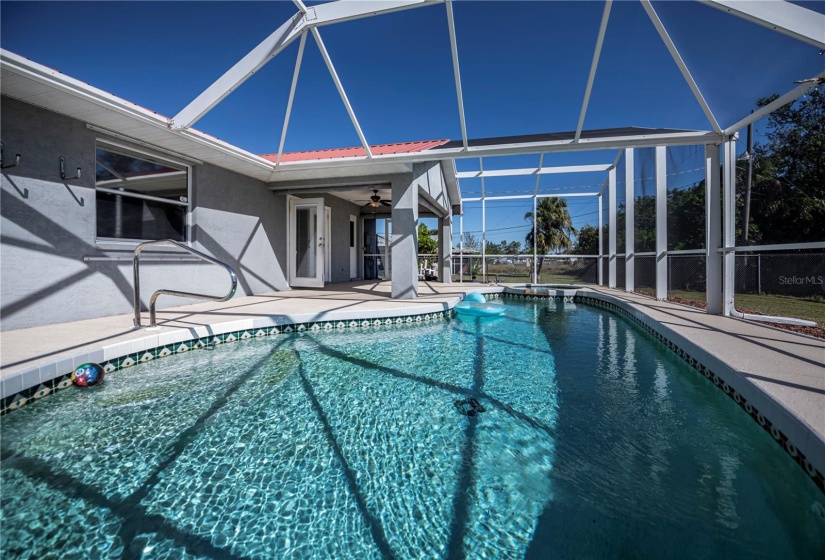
x=48, y=226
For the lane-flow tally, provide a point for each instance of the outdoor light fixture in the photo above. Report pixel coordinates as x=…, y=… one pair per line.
x=63, y=170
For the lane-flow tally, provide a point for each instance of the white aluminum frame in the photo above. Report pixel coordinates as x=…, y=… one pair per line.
x=594, y=65
x=677, y=58
x=340, y=87
x=630, y=220
x=456, y=72
x=713, y=232
x=786, y=18
x=291, y=98
x=661, y=222
x=611, y=230
x=534, y=171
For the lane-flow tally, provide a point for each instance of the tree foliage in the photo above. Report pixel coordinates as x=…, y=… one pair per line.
x=426, y=244
x=554, y=228
x=502, y=248
x=788, y=192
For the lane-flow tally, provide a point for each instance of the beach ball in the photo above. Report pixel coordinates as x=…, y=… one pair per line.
x=476, y=297
x=88, y=375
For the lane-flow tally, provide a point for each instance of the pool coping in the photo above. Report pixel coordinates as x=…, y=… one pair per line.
x=797, y=437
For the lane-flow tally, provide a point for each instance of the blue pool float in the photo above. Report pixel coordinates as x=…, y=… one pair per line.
x=480, y=309
x=475, y=296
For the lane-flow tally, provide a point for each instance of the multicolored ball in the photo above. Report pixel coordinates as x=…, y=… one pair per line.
x=88, y=375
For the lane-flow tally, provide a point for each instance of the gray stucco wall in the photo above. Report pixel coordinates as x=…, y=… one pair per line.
x=48, y=227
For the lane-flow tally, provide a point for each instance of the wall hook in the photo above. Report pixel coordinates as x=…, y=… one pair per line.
x=16, y=159
x=63, y=170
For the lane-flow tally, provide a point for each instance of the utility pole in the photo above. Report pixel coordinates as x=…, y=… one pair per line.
x=748, y=182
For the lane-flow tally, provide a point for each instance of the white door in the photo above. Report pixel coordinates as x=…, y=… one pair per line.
x=328, y=245
x=353, y=251
x=306, y=242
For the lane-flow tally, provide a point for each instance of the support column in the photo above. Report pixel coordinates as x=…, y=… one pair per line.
x=601, y=252
x=630, y=220
x=713, y=231
x=661, y=222
x=729, y=224
x=445, y=249
x=611, y=230
x=404, y=255
x=535, y=241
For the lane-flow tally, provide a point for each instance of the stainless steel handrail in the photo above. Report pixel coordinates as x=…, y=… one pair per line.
x=154, y=298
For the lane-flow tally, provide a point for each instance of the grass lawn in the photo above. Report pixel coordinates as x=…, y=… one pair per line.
x=781, y=306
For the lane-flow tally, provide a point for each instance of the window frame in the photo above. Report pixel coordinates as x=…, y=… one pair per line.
x=154, y=157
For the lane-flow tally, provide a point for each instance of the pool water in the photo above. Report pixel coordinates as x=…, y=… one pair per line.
x=594, y=442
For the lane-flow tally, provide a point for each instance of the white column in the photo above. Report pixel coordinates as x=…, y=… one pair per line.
x=445, y=249
x=729, y=224
x=661, y=222
x=630, y=220
x=601, y=253
x=404, y=254
x=713, y=231
x=483, y=239
x=461, y=248
x=611, y=232
x=535, y=242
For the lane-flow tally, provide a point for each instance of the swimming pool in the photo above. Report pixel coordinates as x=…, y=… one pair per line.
x=594, y=442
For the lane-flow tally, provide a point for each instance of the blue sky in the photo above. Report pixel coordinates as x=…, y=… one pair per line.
x=524, y=67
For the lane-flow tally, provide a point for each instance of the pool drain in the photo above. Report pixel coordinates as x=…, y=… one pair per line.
x=469, y=407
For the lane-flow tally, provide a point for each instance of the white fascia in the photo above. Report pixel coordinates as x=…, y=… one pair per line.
x=37, y=72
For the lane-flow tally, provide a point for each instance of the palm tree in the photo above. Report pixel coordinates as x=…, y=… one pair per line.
x=554, y=228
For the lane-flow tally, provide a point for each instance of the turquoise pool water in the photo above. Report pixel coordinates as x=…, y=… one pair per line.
x=594, y=442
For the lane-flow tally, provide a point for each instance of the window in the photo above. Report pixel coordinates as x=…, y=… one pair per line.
x=140, y=196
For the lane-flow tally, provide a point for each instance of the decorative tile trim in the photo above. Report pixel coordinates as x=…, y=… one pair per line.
x=18, y=400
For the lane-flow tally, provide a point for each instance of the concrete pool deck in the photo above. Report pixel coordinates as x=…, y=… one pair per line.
x=781, y=371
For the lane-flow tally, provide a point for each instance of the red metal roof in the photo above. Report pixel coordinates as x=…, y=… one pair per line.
x=377, y=150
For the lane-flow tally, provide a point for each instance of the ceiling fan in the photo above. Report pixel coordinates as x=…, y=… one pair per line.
x=375, y=201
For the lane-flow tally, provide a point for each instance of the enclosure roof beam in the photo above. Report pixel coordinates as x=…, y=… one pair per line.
x=786, y=18
x=677, y=58
x=456, y=72
x=525, y=196
x=533, y=171
x=538, y=174
x=317, y=36
x=506, y=149
x=315, y=16
x=802, y=89
x=593, y=66
x=291, y=95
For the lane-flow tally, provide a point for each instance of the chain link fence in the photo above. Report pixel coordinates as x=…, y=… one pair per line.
x=519, y=269
x=644, y=274
x=787, y=274
x=687, y=277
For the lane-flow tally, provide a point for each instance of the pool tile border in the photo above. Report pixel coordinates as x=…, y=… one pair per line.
x=45, y=387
